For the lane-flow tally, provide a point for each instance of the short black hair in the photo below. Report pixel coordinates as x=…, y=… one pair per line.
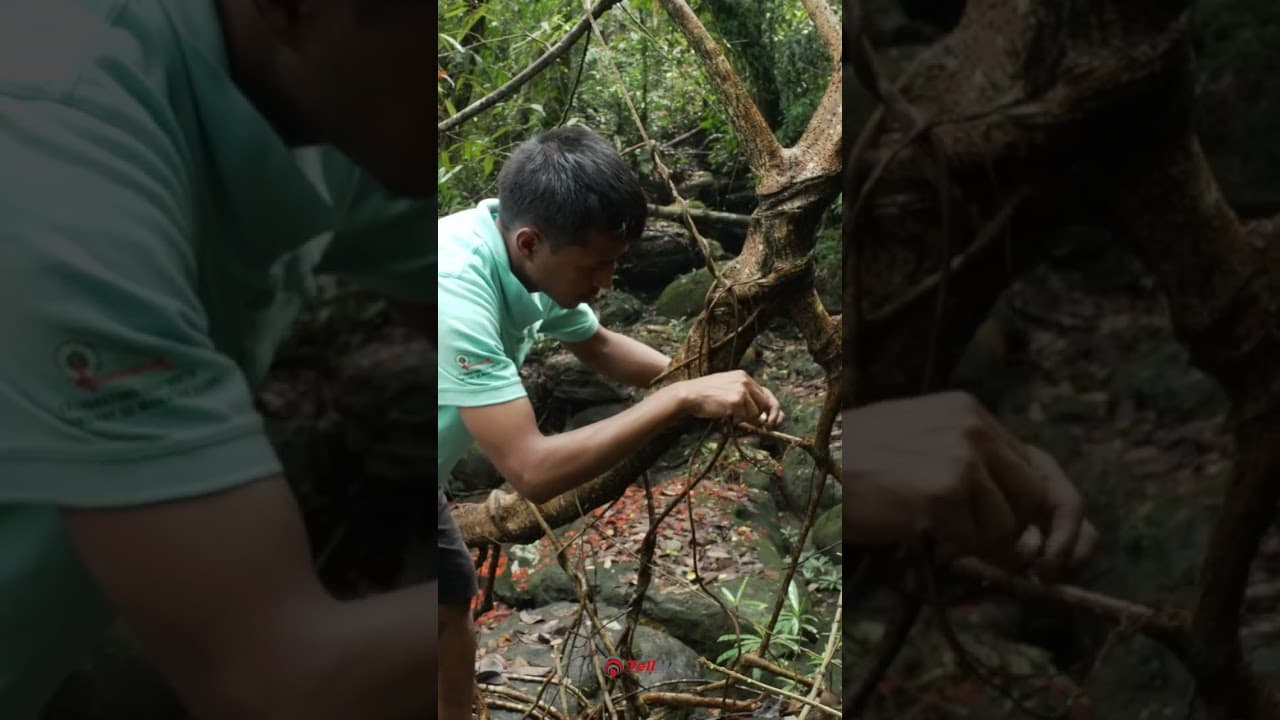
x=569, y=182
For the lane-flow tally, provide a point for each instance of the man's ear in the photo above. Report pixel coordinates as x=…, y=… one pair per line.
x=527, y=240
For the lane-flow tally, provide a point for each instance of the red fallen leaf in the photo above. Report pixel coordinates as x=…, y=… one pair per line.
x=498, y=612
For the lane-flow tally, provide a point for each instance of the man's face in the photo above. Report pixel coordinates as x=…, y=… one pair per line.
x=575, y=273
x=361, y=83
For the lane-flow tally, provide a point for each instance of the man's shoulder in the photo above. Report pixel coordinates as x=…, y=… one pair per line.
x=50, y=49
x=464, y=250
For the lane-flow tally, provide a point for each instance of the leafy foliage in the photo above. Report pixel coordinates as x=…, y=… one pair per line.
x=796, y=626
x=484, y=43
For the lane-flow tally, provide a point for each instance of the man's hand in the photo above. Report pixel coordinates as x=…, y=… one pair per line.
x=941, y=467
x=732, y=394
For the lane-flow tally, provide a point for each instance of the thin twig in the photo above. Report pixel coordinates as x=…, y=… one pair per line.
x=771, y=689
x=832, y=644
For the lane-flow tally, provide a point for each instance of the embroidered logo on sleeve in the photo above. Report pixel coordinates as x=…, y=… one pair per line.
x=468, y=365
x=115, y=385
x=82, y=364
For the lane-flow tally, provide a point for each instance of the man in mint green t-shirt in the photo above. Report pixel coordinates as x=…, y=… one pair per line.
x=174, y=174
x=509, y=270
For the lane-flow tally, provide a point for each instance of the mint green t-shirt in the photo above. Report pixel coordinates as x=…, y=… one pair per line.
x=488, y=323
x=157, y=239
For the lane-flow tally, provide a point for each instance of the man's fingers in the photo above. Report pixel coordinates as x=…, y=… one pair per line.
x=994, y=521
x=773, y=409
x=1066, y=513
x=748, y=410
x=1028, y=546
x=1086, y=544
x=764, y=402
x=1021, y=481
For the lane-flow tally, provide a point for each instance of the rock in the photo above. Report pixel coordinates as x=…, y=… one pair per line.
x=618, y=309
x=700, y=185
x=397, y=369
x=386, y=396
x=655, y=657
x=761, y=510
x=474, y=475
x=1166, y=383
x=664, y=251
x=686, y=614
x=547, y=583
x=354, y=453
x=532, y=641
x=827, y=532
x=802, y=409
x=685, y=296
x=1071, y=406
x=798, y=470
x=570, y=381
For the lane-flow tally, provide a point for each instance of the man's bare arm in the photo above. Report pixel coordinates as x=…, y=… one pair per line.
x=621, y=358
x=541, y=467
x=220, y=590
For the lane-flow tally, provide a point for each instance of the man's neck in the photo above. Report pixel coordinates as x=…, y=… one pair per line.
x=248, y=45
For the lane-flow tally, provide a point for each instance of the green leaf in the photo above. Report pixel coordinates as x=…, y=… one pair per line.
x=457, y=46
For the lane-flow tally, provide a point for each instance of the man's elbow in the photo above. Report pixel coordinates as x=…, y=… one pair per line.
x=520, y=462
x=530, y=485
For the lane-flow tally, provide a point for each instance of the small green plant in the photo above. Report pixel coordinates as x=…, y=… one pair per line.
x=817, y=569
x=795, y=626
x=821, y=573
x=747, y=642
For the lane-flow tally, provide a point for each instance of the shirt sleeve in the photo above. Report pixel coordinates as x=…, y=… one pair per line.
x=573, y=325
x=111, y=392
x=473, y=369
x=383, y=243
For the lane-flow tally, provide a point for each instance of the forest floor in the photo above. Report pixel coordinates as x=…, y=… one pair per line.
x=1101, y=382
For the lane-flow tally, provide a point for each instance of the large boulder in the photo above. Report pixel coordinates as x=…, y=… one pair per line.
x=474, y=475
x=619, y=309
x=664, y=251
x=569, y=381
x=685, y=296
x=526, y=643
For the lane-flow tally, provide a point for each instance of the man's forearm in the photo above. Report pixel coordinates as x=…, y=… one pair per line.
x=564, y=461
x=627, y=360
